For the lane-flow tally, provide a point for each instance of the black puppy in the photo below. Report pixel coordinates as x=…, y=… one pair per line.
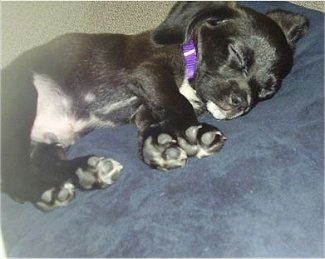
x=206, y=55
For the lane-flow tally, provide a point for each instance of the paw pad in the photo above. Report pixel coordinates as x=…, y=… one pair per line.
x=163, y=152
x=99, y=173
x=202, y=140
x=56, y=197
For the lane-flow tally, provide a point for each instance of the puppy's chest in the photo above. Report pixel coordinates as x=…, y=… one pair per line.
x=190, y=94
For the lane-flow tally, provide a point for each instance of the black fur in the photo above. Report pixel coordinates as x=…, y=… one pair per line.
x=84, y=81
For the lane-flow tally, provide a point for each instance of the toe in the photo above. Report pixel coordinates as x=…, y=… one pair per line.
x=208, y=138
x=165, y=139
x=191, y=133
x=173, y=153
x=93, y=161
x=86, y=179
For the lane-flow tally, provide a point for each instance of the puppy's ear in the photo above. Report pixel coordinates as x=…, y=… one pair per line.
x=293, y=25
x=185, y=16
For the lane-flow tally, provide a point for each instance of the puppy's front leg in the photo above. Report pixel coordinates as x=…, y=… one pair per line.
x=156, y=86
x=167, y=122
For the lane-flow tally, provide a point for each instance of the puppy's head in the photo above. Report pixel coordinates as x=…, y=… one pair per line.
x=242, y=55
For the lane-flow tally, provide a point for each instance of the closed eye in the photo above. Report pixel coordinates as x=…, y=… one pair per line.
x=234, y=52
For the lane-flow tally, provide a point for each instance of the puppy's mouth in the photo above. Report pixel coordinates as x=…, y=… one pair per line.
x=223, y=111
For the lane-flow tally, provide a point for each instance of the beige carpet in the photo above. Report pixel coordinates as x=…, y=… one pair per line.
x=28, y=24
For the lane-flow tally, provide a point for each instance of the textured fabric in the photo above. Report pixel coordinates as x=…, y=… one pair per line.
x=262, y=195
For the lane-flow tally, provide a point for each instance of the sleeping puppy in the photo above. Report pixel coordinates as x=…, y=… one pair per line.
x=214, y=56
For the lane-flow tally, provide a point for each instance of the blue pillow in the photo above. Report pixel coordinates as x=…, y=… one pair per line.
x=260, y=196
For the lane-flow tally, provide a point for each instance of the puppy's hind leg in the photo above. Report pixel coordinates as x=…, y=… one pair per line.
x=57, y=126
x=36, y=170
x=52, y=182
x=58, y=178
x=28, y=168
x=18, y=111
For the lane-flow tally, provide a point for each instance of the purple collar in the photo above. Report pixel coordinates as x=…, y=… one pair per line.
x=189, y=54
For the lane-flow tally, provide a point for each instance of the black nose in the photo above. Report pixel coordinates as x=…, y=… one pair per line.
x=238, y=101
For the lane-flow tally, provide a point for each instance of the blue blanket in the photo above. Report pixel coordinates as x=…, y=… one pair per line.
x=261, y=196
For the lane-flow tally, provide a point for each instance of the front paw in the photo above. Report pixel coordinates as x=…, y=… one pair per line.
x=162, y=152
x=202, y=140
x=165, y=152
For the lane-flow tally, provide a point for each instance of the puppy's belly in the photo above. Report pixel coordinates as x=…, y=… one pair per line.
x=55, y=120
x=50, y=127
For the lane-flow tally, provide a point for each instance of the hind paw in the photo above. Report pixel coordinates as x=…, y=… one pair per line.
x=56, y=197
x=99, y=173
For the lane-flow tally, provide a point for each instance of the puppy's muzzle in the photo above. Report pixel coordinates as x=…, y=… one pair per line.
x=230, y=106
x=238, y=101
